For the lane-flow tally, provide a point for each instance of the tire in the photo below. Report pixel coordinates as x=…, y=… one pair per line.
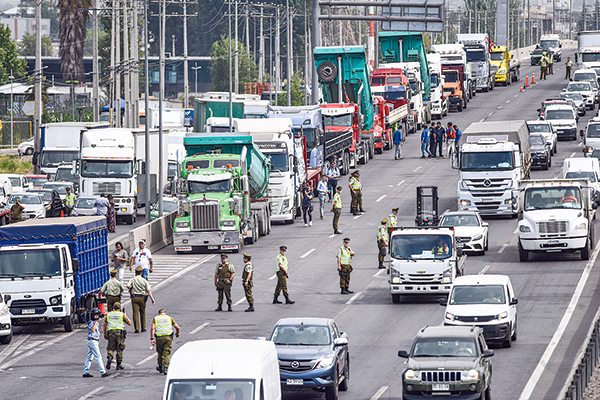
x=523, y=254
x=464, y=104
x=6, y=339
x=396, y=298
x=549, y=162
x=487, y=242
x=585, y=252
x=29, y=151
x=346, y=163
x=332, y=392
x=460, y=107
x=545, y=167
x=262, y=224
x=504, y=83
x=487, y=395
x=510, y=79
x=555, y=148
x=69, y=322
x=492, y=85
x=327, y=71
x=129, y=220
x=508, y=342
x=514, y=335
x=344, y=385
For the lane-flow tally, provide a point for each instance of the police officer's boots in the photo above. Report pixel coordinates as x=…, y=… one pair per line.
x=108, y=362
x=287, y=300
x=229, y=307
x=276, y=299
x=219, y=308
x=381, y=266
x=251, y=308
x=119, y=366
x=166, y=370
x=344, y=291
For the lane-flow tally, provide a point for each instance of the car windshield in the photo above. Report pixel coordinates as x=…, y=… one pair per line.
x=46, y=195
x=451, y=76
x=107, y=168
x=572, y=96
x=552, y=198
x=38, y=181
x=53, y=158
x=221, y=186
x=539, y=127
x=475, y=55
x=497, y=56
x=301, y=335
x=579, y=87
x=337, y=120
x=85, y=203
x=477, y=294
x=460, y=220
x=593, y=131
x=419, y=247
x=33, y=262
x=537, y=139
x=559, y=114
x=585, y=76
x=61, y=189
x=590, y=176
x=229, y=389
x=486, y=161
x=65, y=175
x=14, y=181
x=26, y=199
x=444, y=348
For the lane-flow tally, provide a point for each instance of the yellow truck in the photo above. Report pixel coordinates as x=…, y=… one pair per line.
x=508, y=68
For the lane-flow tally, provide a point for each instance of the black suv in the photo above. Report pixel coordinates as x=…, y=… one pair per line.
x=448, y=361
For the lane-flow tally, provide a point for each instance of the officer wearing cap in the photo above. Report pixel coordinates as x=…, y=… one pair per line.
x=344, y=256
x=282, y=277
x=112, y=289
x=114, y=333
x=224, y=274
x=356, y=192
x=161, y=336
x=142, y=257
x=139, y=289
x=382, y=241
x=392, y=221
x=247, y=281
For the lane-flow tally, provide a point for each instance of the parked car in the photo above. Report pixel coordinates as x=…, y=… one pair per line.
x=470, y=230
x=540, y=151
x=84, y=206
x=313, y=355
x=18, y=182
x=34, y=206
x=5, y=324
x=448, y=361
x=26, y=147
x=545, y=128
x=487, y=301
x=578, y=99
x=36, y=181
x=60, y=187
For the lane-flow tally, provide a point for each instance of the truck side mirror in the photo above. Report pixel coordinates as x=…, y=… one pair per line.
x=459, y=252
x=75, y=263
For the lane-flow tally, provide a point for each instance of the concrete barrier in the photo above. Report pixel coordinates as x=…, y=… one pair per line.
x=158, y=234
x=524, y=53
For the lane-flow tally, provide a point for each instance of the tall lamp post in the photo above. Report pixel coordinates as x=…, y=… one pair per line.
x=196, y=68
x=11, y=108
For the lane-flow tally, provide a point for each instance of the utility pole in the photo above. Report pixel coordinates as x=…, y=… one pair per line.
x=126, y=82
x=186, y=86
x=118, y=66
x=95, y=105
x=316, y=42
x=161, y=93
x=230, y=69
x=112, y=66
x=289, y=54
x=306, y=50
x=147, y=111
x=237, y=75
x=12, y=111
x=277, y=55
x=248, y=29
x=173, y=40
x=262, y=53
x=37, y=145
x=135, y=68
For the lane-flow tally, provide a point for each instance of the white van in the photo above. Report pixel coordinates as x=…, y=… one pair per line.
x=584, y=168
x=223, y=369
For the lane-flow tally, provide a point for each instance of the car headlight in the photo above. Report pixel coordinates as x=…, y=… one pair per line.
x=581, y=226
x=411, y=374
x=502, y=71
x=40, y=212
x=325, y=362
x=465, y=203
x=524, y=229
x=450, y=316
x=228, y=222
x=4, y=311
x=478, y=237
x=183, y=224
x=471, y=374
x=502, y=316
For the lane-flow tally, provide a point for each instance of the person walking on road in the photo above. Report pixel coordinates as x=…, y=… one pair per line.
x=115, y=334
x=432, y=140
x=356, y=192
x=307, y=196
x=333, y=174
x=425, y=137
x=93, y=343
x=142, y=257
x=322, y=191
x=344, y=257
x=224, y=274
x=69, y=202
x=120, y=258
x=247, y=276
x=392, y=221
x=161, y=336
x=382, y=241
x=398, y=142
x=112, y=289
x=440, y=134
x=282, y=277
x=139, y=288
x=101, y=205
x=450, y=139
x=568, y=68
x=337, y=209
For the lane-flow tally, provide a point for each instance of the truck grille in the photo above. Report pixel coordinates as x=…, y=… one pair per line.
x=482, y=318
x=487, y=206
x=296, y=365
x=487, y=183
x=553, y=227
x=106, y=188
x=34, y=303
x=440, y=376
x=205, y=216
x=421, y=278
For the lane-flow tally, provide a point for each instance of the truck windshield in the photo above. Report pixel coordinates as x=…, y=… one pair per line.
x=338, y=120
x=589, y=175
x=53, y=158
x=211, y=389
x=378, y=81
x=539, y=128
x=559, y=114
x=29, y=262
x=475, y=55
x=195, y=187
x=435, y=80
x=421, y=247
x=486, y=161
x=397, y=94
x=444, y=348
x=477, y=294
x=220, y=129
x=497, y=56
x=414, y=87
x=552, y=198
x=301, y=335
x=593, y=131
x=107, y=168
x=65, y=175
x=549, y=43
x=590, y=57
x=279, y=162
x=311, y=138
x=451, y=76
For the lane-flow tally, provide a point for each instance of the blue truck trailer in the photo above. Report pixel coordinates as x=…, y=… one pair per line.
x=52, y=270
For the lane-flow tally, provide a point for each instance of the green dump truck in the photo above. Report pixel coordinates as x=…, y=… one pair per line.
x=222, y=194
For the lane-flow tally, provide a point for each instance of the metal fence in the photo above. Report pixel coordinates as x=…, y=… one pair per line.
x=21, y=131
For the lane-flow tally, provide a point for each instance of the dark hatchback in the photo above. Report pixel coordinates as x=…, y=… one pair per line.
x=540, y=151
x=313, y=355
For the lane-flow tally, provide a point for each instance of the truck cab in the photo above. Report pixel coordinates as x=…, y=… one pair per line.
x=440, y=104
x=453, y=89
x=508, y=68
x=477, y=47
x=552, y=42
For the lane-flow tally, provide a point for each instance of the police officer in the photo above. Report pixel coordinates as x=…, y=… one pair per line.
x=139, y=288
x=356, y=192
x=224, y=274
x=112, y=289
x=382, y=241
x=344, y=256
x=551, y=63
x=161, y=336
x=69, y=202
x=392, y=221
x=247, y=281
x=543, y=66
x=282, y=277
x=114, y=333
x=337, y=209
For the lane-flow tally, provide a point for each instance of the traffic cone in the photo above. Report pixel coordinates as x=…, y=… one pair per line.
x=102, y=307
x=62, y=213
x=533, y=78
x=527, y=81
x=521, y=89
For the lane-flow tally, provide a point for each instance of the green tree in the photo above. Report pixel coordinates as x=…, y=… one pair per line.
x=296, y=90
x=8, y=57
x=27, y=45
x=72, y=20
x=248, y=71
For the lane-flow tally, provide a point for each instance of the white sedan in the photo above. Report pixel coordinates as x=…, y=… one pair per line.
x=471, y=231
x=34, y=206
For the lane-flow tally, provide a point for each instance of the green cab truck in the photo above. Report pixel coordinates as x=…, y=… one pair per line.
x=222, y=194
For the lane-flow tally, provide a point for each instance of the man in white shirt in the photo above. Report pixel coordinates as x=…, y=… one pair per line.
x=333, y=173
x=322, y=190
x=141, y=257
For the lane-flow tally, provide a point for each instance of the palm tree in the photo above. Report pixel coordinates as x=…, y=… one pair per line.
x=72, y=21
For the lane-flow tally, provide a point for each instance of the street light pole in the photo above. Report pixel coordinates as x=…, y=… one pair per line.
x=11, y=108
x=196, y=68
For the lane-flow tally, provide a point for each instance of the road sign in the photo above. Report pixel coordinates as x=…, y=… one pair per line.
x=427, y=17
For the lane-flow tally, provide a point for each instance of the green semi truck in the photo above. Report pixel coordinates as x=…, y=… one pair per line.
x=222, y=194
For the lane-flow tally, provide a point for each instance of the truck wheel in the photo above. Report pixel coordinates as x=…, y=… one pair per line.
x=464, y=103
x=129, y=220
x=268, y=222
x=69, y=321
x=365, y=155
x=505, y=83
x=262, y=231
x=347, y=163
x=585, y=252
x=546, y=166
x=460, y=107
x=510, y=79
x=523, y=254
x=492, y=84
x=396, y=298
x=6, y=339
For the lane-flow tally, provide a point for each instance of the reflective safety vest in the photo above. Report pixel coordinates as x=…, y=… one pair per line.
x=115, y=321
x=70, y=200
x=344, y=254
x=337, y=199
x=543, y=62
x=163, y=325
x=281, y=259
x=382, y=233
x=392, y=221
x=440, y=250
x=223, y=271
x=355, y=183
x=569, y=199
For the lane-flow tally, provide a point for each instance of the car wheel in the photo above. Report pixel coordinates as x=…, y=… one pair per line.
x=29, y=151
x=487, y=242
x=332, y=392
x=396, y=298
x=555, y=148
x=6, y=339
x=514, y=335
x=508, y=342
x=523, y=254
x=346, y=382
x=545, y=166
x=549, y=162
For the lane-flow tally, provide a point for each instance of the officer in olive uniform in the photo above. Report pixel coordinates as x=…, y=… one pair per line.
x=282, y=277
x=392, y=221
x=247, y=276
x=344, y=256
x=356, y=192
x=224, y=274
x=161, y=336
x=112, y=289
x=382, y=241
x=114, y=333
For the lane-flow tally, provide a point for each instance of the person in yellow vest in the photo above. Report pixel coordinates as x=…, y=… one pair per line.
x=282, y=277
x=551, y=63
x=543, y=66
x=392, y=221
x=344, y=257
x=440, y=249
x=382, y=241
x=247, y=276
x=337, y=209
x=69, y=202
x=161, y=336
x=356, y=192
x=115, y=334
x=224, y=274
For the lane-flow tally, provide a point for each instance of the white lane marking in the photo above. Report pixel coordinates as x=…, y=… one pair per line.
x=13, y=347
x=572, y=155
x=332, y=235
x=516, y=95
x=501, y=249
x=90, y=394
x=273, y=277
x=508, y=101
x=490, y=114
x=307, y=253
x=204, y=325
x=145, y=360
x=240, y=301
x=381, y=271
x=357, y=217
x=482, y=119
x=401, y=182
x=539, y=369
x=499, y=107
x=484, y=270
x=38, y=349
x=516, y=230
x=416, y=169
x=580, y=144
x=381, y=198
x=379, y=393
x=353, y=298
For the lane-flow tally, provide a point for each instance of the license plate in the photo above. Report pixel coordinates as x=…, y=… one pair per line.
x=553, y=241
x=295, y=382
x=28, y=311
x=440, y=386
x=229, y=247
x=183, y=249
x=213, y=247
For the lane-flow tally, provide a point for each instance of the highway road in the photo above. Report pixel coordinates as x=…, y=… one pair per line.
x=557, y=293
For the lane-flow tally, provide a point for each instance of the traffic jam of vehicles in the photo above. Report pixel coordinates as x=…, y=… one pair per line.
x=228, y=186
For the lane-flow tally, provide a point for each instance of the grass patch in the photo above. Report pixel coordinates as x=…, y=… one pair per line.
x=14, y=165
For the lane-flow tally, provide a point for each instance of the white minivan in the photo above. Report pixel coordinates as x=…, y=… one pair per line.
x=584, y=168
x=224, y=369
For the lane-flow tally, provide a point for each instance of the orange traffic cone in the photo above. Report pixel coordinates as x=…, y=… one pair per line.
x=62, y=213
x=527, y=80
x=533, y=78
x=521, y=89
x=102, y=307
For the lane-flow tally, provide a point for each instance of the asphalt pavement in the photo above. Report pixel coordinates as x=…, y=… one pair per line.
x=557, y=293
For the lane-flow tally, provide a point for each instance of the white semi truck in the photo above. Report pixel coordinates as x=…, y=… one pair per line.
x=588, y=49
x=439, y=101
x=477, y=46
